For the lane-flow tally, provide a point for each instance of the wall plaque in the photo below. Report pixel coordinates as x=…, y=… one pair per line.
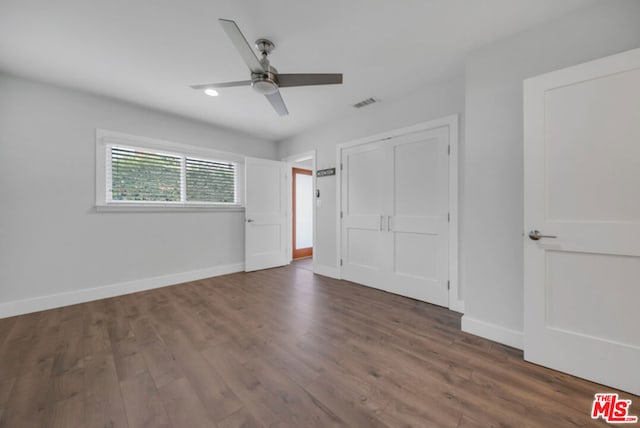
x=325, y=172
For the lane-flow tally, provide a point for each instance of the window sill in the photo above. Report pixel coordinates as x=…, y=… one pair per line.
x=147, y=208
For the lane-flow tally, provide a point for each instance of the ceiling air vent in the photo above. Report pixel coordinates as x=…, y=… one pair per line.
x=365, y=103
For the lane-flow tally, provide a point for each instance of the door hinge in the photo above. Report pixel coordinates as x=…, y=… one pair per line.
x=448, y=285
x=340, y=262
x=448, y=217
x=341, y=214
x=449, y=149
x=341, y=167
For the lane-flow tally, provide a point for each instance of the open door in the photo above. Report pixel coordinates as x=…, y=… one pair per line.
x=265, y=214
x=302, y=209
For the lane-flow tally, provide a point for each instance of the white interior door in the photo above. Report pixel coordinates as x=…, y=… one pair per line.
x=418, y=221
x=265, y=214
x=365, y=197
x=582, y=187
x=394, y=215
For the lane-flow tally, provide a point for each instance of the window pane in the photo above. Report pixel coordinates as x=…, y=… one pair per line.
x=210, y=181
x=144, y=176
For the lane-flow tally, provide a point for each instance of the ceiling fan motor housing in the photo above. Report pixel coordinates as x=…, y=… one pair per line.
x=265, y=83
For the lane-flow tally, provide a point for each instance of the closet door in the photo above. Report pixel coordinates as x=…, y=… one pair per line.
x=366, y=189
x=395, y=215
x=418, y=219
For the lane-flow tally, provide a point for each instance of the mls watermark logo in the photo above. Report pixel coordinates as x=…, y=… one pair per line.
x=612, y=409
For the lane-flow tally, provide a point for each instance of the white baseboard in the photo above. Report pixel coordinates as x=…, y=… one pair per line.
x=324, y=270
x=493, y=332
x=41, y=303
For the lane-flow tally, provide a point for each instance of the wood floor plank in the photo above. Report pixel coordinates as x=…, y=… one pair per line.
x=6, y=386
x=69, y=353
x=143, y=404
x=468, y=422
x=67, y=413
x=215, y=394
x=67, y=386
x=244, y=384
x=293, y=405
x=103, y=398
x=96, y=336
x=353, y=409
x=161, y=364
x=184, y=406
x=6, y=325
x=275, y=348
x=30, y=395
x=241, y=419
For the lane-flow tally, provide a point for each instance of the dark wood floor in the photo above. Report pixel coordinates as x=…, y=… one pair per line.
x=280, y=347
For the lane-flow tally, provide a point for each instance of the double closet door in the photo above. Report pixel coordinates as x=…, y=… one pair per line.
x=394, y=215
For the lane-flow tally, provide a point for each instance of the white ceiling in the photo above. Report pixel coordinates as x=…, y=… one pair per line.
x=149, y=51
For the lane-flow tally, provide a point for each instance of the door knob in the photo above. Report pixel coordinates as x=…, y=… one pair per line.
x=535, y=235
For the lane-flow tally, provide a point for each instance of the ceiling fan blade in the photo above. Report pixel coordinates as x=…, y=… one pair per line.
x=277, y=103
x=242, y=46
x=222, y=85
x=288, y=80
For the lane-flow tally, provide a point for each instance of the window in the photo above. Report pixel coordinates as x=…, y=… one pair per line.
x=138, y=175
x=138, y=172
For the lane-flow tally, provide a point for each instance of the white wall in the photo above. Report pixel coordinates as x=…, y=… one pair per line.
x=492, y=214
x=427, y=103
x=51, y=238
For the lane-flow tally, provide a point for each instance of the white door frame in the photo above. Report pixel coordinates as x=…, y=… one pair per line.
x=290, y=160
x=452, y=122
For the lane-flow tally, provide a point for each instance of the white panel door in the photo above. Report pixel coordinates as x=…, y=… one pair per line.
x=265, y=214
x=418, y=219
x=394, y=215
x=582, y=188
x=366, y=188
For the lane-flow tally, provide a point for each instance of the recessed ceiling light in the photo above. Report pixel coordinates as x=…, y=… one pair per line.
x=211, y=92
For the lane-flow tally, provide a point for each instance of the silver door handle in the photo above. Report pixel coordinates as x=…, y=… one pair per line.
x=381, y=217
x=250, y=220
x=535, y=235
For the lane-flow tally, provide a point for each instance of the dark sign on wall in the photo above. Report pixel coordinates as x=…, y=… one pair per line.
x=325, y=172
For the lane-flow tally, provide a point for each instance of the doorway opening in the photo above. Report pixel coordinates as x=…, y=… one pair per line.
x=302, y=209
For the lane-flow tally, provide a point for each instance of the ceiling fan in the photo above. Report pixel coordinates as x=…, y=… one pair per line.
x=265, y=79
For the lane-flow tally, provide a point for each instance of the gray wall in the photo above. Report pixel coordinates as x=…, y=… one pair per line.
x=52, y=240
x=492, y=220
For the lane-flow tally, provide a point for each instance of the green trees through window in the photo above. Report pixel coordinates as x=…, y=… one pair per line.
x=141, y=175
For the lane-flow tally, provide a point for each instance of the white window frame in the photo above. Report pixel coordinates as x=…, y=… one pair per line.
x=106, y=139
